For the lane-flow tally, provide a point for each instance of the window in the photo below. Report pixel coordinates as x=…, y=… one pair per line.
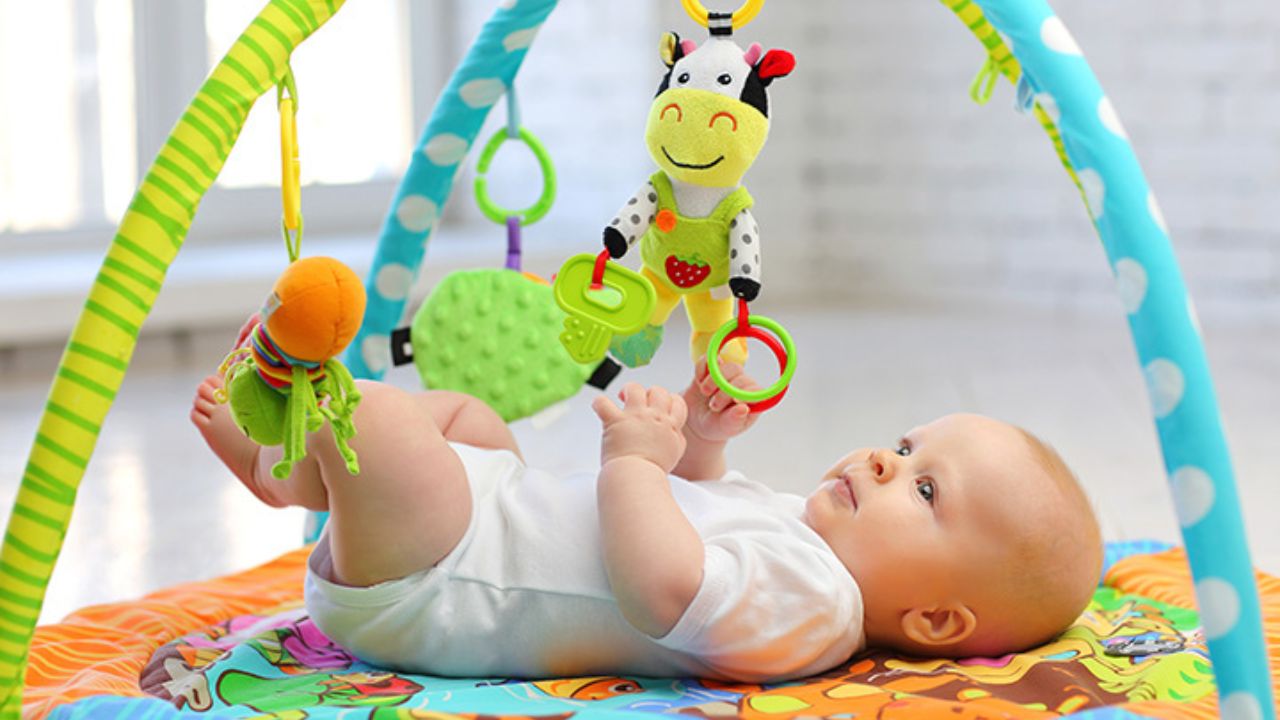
x=115, y=74
x=66, y=130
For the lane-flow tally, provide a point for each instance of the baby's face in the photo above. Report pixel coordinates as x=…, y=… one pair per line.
x=912, y=520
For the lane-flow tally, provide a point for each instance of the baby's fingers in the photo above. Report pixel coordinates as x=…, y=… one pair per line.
x=659, y=399
x=737, y=418
x=720, y=400
x=606, y=410
x=679, y=411
x=634, y=395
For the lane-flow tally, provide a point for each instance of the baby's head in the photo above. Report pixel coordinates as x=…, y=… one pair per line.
x=969, y=537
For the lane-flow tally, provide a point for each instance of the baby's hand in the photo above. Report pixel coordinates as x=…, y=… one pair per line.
x=714, y=415
x=648, y=426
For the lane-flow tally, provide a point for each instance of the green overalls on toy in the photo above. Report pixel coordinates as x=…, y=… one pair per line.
x=685, y=257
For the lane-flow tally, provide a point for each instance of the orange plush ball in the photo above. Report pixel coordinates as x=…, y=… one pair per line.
x=316, y=308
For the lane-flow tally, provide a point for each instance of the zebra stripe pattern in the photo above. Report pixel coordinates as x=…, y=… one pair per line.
x=101, y=345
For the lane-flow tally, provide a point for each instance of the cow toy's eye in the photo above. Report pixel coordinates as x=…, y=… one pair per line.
x=724, y=79
x=684, y=78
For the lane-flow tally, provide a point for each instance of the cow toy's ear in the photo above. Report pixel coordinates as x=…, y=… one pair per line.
x=672, y=48
x=775, y=64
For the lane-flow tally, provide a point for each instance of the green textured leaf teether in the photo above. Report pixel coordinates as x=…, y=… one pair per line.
x=494, y=334
x=258, y=409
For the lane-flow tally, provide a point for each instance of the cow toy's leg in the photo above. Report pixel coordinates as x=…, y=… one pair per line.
x=638, y=348
x=706, y=315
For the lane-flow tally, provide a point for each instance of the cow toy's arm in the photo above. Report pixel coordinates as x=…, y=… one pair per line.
x=744, y=256
x=632, y=221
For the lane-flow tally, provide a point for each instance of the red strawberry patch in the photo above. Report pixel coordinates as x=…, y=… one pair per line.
x=686, y=274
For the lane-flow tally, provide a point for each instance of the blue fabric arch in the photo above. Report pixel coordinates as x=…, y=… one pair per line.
x=1170, y=350
x=478, y=82
x=484, y=76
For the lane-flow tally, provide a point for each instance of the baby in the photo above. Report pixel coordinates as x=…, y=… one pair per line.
x=446, y=555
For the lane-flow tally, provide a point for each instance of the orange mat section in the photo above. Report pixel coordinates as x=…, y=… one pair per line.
x=101, y=650
x=1166, y=577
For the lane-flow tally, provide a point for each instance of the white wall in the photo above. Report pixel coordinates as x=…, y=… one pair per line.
x=884, y=182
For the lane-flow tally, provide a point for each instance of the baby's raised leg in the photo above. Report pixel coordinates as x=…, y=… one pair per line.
x=467, y=419
x=411, y=502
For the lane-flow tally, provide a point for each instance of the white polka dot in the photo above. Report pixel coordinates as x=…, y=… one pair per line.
x=1166, y=385
x=1050, y=106
x=520, y=39
x=1240, y=706
x=1219, y=607
x=1192, y=494
x=1131, y=280
x=445, y=149
x=482, y=93
x=1110, y=119
x=1153, y=207
x=1055, y=35
x=393, y=281
x=376, y=351
x=1095, y=191
x=417, y=213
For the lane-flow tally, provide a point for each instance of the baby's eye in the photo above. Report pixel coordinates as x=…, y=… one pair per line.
x=903, y=450
x=684, y=78
x=926, y=490
x=725, y=79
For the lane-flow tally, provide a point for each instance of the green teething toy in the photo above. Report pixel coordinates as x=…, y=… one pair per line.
x=491, y=333
x=603, y=299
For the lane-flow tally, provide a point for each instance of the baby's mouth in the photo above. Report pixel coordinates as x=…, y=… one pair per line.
x=848, y=485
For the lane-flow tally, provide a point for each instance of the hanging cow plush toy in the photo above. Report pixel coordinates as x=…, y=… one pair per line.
x=698, y=240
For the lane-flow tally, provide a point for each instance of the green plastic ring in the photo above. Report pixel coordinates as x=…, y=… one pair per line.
x=531, y=214
x=749, y=396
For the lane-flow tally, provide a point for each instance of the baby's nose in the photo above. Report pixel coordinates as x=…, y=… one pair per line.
x=882, y=466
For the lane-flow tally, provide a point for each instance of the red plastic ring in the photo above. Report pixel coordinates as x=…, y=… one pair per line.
x=779, y=353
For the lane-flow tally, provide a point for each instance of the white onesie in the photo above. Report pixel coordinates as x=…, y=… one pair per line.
x=525, y=594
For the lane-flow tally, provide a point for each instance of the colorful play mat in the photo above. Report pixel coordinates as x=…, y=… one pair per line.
x=239, y=647
x=242, y=646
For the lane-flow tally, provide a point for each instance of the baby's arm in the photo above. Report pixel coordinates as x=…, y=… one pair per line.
x=653, y=556
x=714, y=418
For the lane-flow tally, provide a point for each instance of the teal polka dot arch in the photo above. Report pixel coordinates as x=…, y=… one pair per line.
x=1055, y=75
x=1162, y=321
x=482, y=78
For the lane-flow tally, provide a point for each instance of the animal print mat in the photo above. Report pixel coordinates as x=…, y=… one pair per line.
x=1136, y=652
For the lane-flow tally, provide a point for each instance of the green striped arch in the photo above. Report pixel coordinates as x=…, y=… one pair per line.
x=101, y=345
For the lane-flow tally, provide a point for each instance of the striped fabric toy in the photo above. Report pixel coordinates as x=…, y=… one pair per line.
x=284, y=380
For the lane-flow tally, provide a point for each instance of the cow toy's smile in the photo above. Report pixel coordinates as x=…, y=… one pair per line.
x=691, y=166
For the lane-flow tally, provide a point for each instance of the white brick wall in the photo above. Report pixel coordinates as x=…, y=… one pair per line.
x=883, y=181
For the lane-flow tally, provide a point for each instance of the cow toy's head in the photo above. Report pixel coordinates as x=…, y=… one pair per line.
x=711, y=115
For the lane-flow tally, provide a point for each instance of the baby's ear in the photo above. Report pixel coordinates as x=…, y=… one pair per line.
x=939, y=626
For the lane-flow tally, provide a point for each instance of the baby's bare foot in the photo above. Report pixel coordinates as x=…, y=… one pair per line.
x=241, y=455
x=233, y=448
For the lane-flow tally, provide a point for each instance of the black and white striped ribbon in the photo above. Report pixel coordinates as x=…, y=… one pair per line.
x=720, y=24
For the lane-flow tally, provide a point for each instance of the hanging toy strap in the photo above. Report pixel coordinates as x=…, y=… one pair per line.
x=290, y=167
x=722, y=24
x=514, y=220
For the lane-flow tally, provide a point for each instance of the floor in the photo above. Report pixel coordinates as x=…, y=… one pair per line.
x=155, y=507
